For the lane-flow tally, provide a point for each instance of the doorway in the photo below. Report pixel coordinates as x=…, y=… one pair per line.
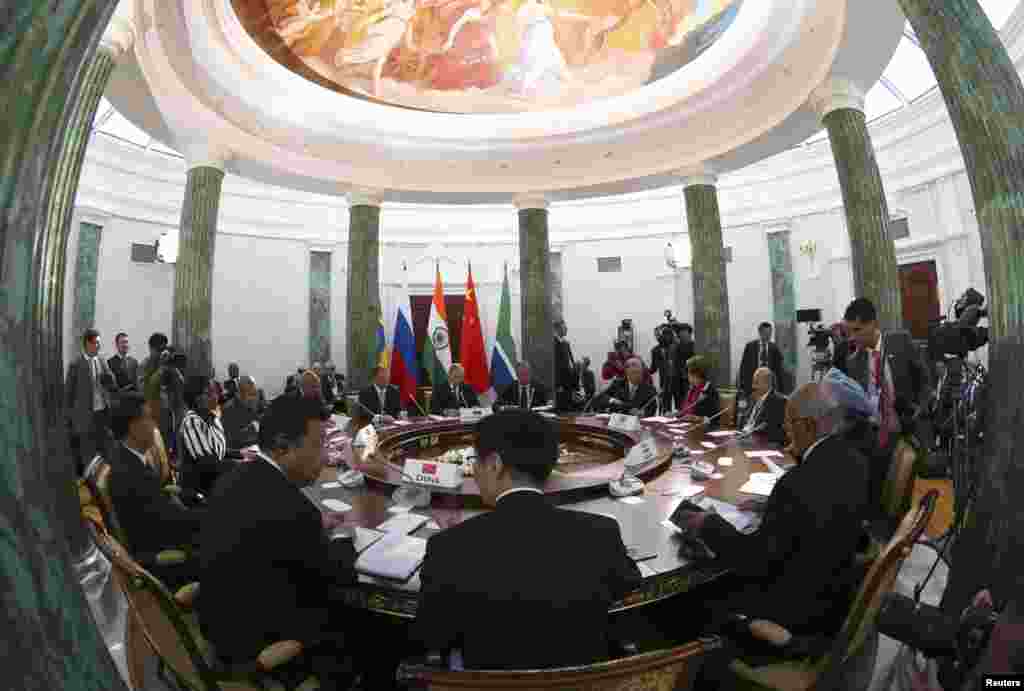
x=919, y=287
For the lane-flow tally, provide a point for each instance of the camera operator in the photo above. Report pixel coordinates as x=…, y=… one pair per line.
x=841, y=346
x=665, y=360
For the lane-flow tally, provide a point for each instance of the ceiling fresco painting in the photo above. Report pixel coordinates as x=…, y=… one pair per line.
x=485, y=56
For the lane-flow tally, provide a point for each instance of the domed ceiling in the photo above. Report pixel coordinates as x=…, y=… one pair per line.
x=485, y=56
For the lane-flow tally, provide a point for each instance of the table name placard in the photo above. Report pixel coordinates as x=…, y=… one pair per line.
x=434, y=474
x=641, y=454
x=624, y=423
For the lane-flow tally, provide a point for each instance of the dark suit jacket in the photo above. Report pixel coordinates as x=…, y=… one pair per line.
x=567, y=376
x=771, y=415
x=750, y=362
x=78, y=392
x=267, y=567
x=708, y=405
x=237, y=421
x=535, y=593
x=645, y=396
x=230, y=389
x=443, y=398
x=150, y=519
x=510, y=396
x=125, y=371
x=796, y=566
x=589, y=383
x=392, y=400
x=909, y=376
x=840, y=354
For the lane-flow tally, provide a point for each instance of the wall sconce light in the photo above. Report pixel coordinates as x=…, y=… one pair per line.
x=808, y=248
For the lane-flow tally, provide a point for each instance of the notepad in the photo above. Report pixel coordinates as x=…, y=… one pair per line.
x=393, y=556
x=364, y=537
x=657, y=418
x=759, y=483
x=743, y=521
x=403, y=523
x=336, y=505
x=632, y=500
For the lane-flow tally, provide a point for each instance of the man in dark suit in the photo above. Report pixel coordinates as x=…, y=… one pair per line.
x=888, y=365
x=765, y=414
x=232, y=383
x=631, y=394
x=666, y=362
x=381, y=398
x=454, y=393
x=548, y=575
x=587, y=378
x=123, y=366
x=568, y=395
x=241, y=418
x=760, y=353
x=87, y=395
x=278, y=557
x=524, y=393
x=150, y=519
x=684, y=333
x=792, y=567
x=702, y=404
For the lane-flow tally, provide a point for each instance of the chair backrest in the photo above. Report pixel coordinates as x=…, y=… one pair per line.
x=878, y=582
x=98, y=479
x=161, y=620
x=727, y=397
x=662, y=670
x=897, y=493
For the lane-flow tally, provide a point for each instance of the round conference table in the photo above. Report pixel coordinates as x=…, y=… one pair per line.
x=583, y=487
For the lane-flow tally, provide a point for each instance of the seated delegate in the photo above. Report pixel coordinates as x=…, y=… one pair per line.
x=454, y=393
x=527, y=585
x=766, y=412
x=381, y=398
x=631, y=394
x=523, y=393
x=702, y=403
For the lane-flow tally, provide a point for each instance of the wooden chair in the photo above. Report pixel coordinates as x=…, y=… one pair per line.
x=727, y=396
x=661, y=670
x=851, y=660
x=898, y=490
x=167, y=625
x=97, y=478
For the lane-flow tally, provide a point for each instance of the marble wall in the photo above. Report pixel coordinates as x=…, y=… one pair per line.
x=86, y=272
x=319, y=306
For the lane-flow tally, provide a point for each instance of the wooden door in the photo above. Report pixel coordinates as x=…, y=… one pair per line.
x=919, y=285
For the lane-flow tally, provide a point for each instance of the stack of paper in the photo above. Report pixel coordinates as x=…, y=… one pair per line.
x=765, y=454
x=403, y=523
x=743, y=521
x=394, y=556
x=760, y=483
x=722, y=433
x=658, y=419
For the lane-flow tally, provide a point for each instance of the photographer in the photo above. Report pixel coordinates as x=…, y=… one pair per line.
x=665, y=360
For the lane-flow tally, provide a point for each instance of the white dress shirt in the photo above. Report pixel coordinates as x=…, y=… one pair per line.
x=518, y=489
x=99, y=396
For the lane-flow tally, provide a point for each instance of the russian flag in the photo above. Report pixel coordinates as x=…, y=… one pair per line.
x=403, y=352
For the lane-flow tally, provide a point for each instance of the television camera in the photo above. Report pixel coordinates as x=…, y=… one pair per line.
x=819, y=340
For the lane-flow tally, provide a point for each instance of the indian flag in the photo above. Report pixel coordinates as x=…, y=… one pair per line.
x=437, y=352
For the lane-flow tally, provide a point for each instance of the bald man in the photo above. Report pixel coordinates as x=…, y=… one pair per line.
x=765, y=415
x=794, y=567
x=240, y=415
x=524, y=392
x=631, y=394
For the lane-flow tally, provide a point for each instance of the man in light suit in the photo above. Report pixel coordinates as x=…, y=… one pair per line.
x=123, y=366
x=888, y=365
x=87, y=400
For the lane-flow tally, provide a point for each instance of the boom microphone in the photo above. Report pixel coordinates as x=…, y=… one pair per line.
x=372, y=414
x=684, y=411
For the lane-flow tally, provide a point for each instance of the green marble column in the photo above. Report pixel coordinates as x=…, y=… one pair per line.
x=538, y=339
x=985, y=100
x=48, y=635
x=362, y=304
x=872, y=252
x=193, y=277
x=780, y=261
x=710, y=291
x=86, y=269
x=319, y=307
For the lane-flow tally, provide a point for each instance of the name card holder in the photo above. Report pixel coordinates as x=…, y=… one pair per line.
x=624, y=423
x=433, y=474
x=473, y=414
x=641, y=454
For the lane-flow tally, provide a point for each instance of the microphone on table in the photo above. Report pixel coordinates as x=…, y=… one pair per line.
x=418, y=406
x=716, y=415
x=372, y=414
x=693, y=405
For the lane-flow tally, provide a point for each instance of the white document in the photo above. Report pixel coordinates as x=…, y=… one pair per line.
x=364, y=537
x=658, y=418
x=743, y=521
x=336, y=505
x=708, y=445
x=760, y=484
x=765, y=454
x=632, y=500
x=641, y=454
x=403, y=523
x=775, y=468
x=723, y=433
x=330, y=485
x=725, y=461
x=394, y=556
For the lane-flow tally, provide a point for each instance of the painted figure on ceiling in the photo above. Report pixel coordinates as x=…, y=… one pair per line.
x=381, y=32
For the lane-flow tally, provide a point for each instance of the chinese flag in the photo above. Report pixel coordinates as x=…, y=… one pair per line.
x=474, y=357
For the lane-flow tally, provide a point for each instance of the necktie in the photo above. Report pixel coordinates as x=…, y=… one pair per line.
x=886, y=401
x=458, y=396
x=752, y=420
x=522, y=397
x=764, y=354
x=380, y=399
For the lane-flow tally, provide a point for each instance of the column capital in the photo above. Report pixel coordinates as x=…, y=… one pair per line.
x=531, y=200
x=697, y=175
x=835, y=93
x=364, y=196
x=205, y=155
x=119, y=37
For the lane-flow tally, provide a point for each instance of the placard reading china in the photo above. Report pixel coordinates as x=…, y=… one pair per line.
x=485, y=56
